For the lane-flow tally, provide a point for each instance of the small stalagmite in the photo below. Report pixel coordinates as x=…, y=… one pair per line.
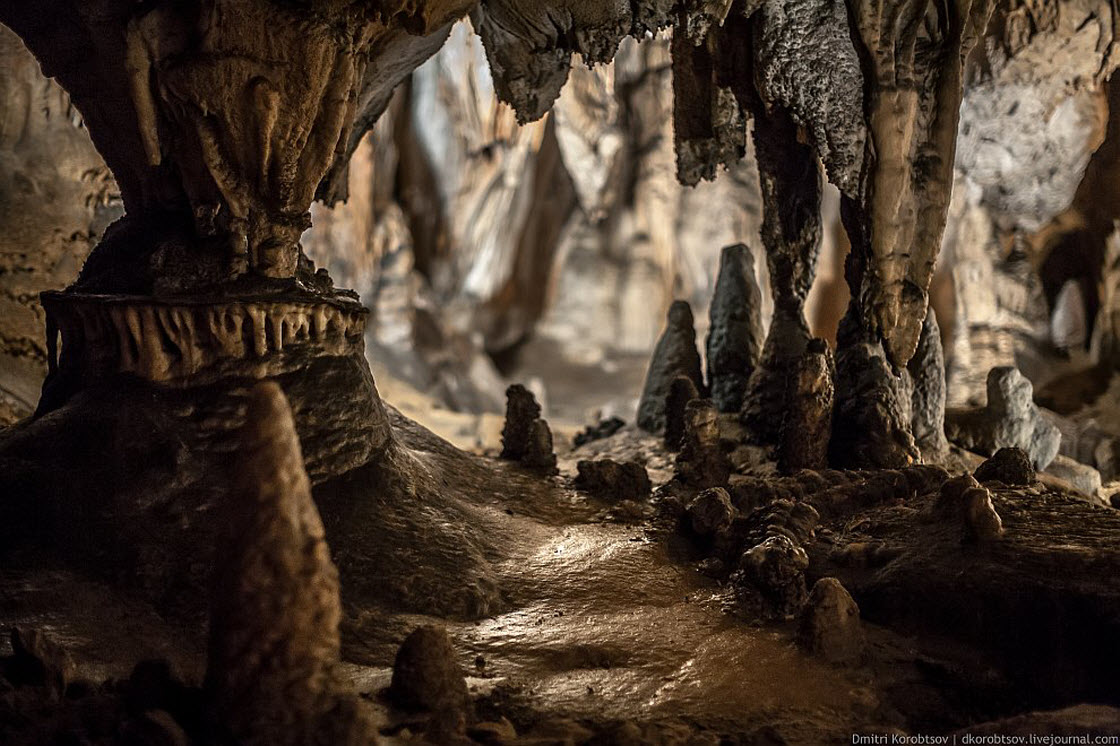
x=526, y=438
x=927, y=398
x=808, y=420
x=829, y=625
x=426, y=674
x=734, y=343
x=964, y=500
x=681, y=391
x=702, y=462
x=675, y=355
x=1010, y=418
x=272, y=675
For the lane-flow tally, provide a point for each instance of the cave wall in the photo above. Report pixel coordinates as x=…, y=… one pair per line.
x=56, y=197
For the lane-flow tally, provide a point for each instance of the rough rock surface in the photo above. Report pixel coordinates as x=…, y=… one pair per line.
x=1071, y=722
x=927, y=399
x=807, y=425
x=735, y=336
x=711, y=511
x=1082, y=477
x=964, y=501
x=791, y=234
x=426, y=673
x=1010, y=418
x=37, y=660
x=681, y=391
x=613, y=480
x=274, y=643
x=674, y=355
x=56, y=197
x=1008, y=465
x=871, y=424
x=526, y=438
x=702, y=462
x=829, y=625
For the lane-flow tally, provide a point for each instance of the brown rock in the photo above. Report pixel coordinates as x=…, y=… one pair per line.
x=702, y=462
x=426, y=674
x=829, y=626
x=526, y=438
x=272, y=672
x=1012, y=466
x=675, y=355
x=711, y=511
x=681, y=391
x=807, y=426
x=613, y=480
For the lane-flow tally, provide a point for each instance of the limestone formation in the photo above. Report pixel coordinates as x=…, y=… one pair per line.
x=710, y=512
x=675, y=355
x=702, y=462
x=681, y=391
x=964, y=501
x=272, y=670
x=871, y=424
x=734, y=343
x=1008, y=465
x=807, y=425
x=1081, y=477
x=775, y=570
x=526, y=438
x=829, y=626
x=1010, y=418
x=791, y=233
x=927, y=399
x=426, y=674
x=613, y=480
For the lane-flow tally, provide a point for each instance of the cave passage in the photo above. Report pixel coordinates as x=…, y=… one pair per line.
x=559, y=372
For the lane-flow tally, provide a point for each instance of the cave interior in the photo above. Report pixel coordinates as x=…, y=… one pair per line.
x=747, y=372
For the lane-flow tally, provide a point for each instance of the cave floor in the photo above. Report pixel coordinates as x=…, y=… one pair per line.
x=602, y=621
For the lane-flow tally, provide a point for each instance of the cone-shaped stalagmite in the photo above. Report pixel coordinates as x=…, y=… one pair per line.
x=734, y=342
x=927, y=400
x=274, y=644
x=675, y=355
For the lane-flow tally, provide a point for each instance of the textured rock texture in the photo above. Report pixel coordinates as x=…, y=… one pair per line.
x=675, y=355
x=702, y=462
x=1010, y=418
x=927, y=398
x=526, y=438
x=613, y=480
x=274, y=648
x=56, y=197
x=1008, y=465
x=829, y=625
x=735, y=336
x=682, y=390
x=426, y=674
x=807, y=424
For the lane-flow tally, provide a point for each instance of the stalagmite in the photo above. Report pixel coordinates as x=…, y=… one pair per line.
x=681, y=391
x=807, y=425
x=526, y=438
x=927, y=400
x=734, y=342
x=702, y=462
x=674, y=355
x=272, y=673
x=829, y=625
x=1010, y=418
